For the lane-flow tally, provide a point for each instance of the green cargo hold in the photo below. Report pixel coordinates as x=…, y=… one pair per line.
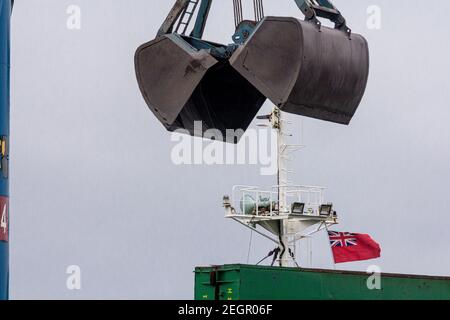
x=245, y=282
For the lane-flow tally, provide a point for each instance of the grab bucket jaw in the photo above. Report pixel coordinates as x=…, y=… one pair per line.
x=304, y=69
x=168, y=71
x=183, y=85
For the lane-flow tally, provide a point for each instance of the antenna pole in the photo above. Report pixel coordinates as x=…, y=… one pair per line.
x=279, y=125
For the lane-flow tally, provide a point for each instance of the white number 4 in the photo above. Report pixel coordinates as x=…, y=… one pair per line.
x=3, y=223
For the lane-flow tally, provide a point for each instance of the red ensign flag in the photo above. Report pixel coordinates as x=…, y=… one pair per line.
x=349, y=247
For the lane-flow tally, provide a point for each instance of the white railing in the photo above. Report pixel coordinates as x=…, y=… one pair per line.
x=250, y=200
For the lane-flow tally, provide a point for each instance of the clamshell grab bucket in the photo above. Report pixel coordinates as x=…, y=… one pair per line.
x=182, y=85
x=301, y=66
x=305, y=69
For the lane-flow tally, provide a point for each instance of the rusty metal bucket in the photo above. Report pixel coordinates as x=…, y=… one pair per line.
x=182, y=84
x=305, y=69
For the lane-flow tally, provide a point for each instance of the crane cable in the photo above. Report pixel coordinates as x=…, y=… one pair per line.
x=238, y=17
x=258, y=9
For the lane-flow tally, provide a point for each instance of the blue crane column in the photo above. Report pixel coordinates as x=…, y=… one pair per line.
x=5, y=14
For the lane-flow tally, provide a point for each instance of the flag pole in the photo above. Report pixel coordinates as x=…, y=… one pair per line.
x=331, y=249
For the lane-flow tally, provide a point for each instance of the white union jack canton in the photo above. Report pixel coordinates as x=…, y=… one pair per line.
x=342, y=239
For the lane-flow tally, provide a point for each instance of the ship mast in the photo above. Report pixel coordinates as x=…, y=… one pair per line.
x=279, y=125
x=273, y=210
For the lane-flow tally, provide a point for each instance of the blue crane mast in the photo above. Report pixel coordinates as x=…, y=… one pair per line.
x=5, y=14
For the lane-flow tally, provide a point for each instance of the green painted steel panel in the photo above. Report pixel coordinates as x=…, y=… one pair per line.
x=245, y=282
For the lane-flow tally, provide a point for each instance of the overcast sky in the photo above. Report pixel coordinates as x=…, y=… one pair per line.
x=93, y=185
